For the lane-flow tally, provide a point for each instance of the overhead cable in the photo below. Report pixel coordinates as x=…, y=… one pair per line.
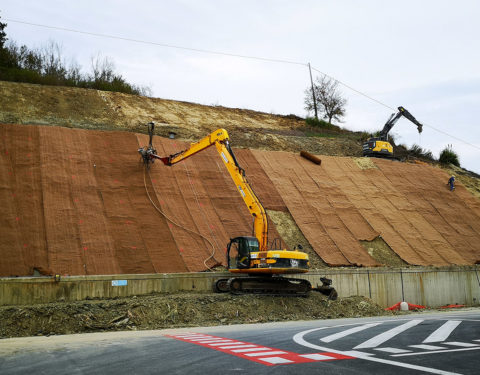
x=266, y=59
x=355, y=90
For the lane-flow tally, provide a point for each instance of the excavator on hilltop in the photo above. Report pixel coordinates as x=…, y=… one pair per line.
x=379, y=146
x=248, y=254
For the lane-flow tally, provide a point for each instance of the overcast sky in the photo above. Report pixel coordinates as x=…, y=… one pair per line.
x=423, y=55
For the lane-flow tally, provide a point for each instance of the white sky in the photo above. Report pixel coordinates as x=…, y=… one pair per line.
x=423, y=55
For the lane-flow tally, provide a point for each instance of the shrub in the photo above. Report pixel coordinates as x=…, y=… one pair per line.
x=419, y=152
x=448, y=156
x=316, y=123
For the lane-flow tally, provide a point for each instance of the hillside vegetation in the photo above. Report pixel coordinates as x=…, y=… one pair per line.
x=22, y=103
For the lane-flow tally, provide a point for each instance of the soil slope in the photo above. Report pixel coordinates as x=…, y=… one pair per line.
x=22, y=103
x=74, y=202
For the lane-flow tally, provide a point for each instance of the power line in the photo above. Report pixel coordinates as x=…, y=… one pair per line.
x=265, y=59
x=452, y=136
x=355, y=90
x=393, y=109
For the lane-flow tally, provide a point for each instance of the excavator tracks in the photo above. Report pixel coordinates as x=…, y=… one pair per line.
x=270, y=286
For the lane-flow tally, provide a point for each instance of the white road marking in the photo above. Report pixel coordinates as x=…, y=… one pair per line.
x=354, y=353
x=208, y=341
x=275, y=360
x=265, y=353
x=347, y=332
x=316, y=357
x=224, y=343
x=442, y=333
x=257, y=349
x=464, y=344
x=387, y=335
x=298, y=338
x=393, y=350
x=427, y=347
x=237, y=346
x=437, y=351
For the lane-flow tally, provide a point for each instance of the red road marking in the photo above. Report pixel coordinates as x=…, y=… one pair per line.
x=257, y=353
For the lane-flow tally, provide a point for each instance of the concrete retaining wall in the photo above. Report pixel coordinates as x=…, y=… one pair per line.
x=420, y=286
x=430, y=287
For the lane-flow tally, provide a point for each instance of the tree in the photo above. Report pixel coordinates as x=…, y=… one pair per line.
x=330, y=102
x=3, y=34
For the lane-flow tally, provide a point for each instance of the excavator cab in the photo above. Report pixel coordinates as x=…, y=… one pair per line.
x=238, y=251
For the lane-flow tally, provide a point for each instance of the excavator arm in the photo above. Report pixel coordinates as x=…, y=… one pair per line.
x=394, y=118
x=220, y=139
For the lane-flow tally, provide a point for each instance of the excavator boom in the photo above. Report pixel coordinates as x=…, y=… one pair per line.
x=220, y=139
x=246, y=254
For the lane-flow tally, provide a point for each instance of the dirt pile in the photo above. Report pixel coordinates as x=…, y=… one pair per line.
x=176, y=310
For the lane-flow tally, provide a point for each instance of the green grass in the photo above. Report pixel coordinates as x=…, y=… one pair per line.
x=448, y=156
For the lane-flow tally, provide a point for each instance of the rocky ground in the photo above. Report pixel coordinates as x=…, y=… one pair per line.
x=174, y=310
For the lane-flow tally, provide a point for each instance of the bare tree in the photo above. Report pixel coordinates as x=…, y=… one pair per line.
x=103, y=69
x=53, y=62
x=330, y=102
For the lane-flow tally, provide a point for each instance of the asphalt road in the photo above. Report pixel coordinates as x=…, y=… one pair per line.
x=439, y=343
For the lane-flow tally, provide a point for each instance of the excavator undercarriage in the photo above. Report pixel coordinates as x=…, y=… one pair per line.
x=274, y=286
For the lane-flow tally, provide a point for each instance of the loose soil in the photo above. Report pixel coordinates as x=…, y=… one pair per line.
x=175, y=310
x=293, y=236
x=382, y=253
x=365, y=163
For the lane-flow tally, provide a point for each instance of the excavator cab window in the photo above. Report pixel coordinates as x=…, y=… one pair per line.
x=238, y=251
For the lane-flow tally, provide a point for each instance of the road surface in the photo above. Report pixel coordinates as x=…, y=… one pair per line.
x=436, y=343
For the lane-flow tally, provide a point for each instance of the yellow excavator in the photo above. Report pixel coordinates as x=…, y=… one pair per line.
x=248, y=254
x=380, y=146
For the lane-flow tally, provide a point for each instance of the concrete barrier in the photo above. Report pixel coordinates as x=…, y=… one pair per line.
x=424, y=286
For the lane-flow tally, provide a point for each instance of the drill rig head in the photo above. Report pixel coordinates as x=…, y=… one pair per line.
x=147, y=153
